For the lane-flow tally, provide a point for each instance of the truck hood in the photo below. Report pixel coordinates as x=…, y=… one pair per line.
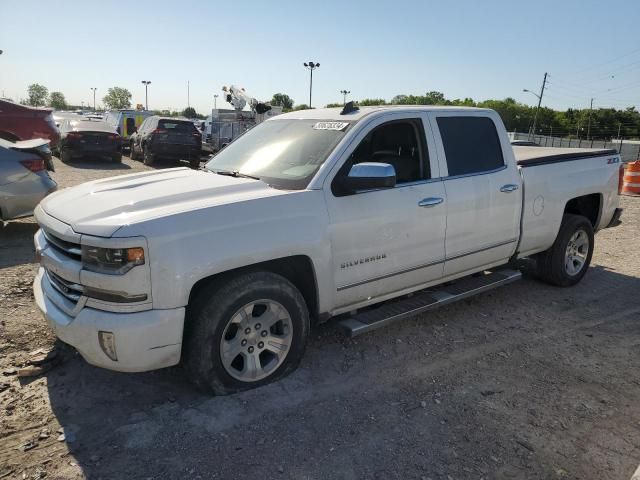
x=101, y=207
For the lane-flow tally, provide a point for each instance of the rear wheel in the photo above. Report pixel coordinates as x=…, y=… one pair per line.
x=65, y=155
x=149, y=157
x=132, y=152
x=567, y=260
x=245, y=332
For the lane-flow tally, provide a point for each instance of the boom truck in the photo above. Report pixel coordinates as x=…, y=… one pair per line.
x=225, y=125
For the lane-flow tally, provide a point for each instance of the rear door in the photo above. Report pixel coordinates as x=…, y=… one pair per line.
x=483, y=201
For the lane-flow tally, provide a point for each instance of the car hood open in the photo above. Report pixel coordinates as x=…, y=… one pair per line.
x=102, y=207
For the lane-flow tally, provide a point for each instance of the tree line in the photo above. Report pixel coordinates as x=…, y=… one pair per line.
x=599, y=123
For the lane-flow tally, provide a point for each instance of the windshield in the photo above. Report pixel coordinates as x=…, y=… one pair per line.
x=283, y=153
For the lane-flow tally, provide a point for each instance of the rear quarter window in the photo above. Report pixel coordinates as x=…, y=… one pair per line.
x=471, y=144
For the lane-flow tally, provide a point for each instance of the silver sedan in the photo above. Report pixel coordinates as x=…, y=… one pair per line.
x=24, y=179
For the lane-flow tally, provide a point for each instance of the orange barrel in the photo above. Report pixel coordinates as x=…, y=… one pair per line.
x=631, y=179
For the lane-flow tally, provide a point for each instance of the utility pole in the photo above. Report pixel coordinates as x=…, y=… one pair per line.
x=94, y=98
x=188, y=99
x=146, y=93
x=589, y=125
x=215, y=101
x=311, y=66
x=535, y=116
x=344, y=96
x=619, y=127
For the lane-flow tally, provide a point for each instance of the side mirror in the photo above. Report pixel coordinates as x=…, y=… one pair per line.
x=369, y=176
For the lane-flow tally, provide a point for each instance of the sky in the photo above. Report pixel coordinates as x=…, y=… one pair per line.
x=478, y=49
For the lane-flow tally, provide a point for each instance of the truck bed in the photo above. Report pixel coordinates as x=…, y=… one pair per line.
x=531, y=156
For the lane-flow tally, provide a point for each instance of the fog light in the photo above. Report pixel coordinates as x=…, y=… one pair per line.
x=108, y=344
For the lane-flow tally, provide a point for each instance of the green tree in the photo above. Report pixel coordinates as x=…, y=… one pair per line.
x=189, y=112
x=282, y=100
x=37, y=95
x=303, y=106
x=117, y=97
x=333, y=105
x=57, y=101
x=366, y=102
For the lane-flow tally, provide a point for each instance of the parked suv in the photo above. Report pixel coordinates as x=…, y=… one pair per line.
x=20, y=122
x=126, y=122
x=176, y=138
x=96, y=138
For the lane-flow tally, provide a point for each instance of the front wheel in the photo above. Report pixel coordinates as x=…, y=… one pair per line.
x=567, y=260
x=245, y=332
x=149, y=158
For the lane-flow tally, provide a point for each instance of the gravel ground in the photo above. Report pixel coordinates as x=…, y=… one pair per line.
x=527, y=381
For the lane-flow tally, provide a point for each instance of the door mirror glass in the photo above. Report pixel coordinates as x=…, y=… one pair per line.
x=369, y=176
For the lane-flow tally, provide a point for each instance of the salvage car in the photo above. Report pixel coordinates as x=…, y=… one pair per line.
x=21, y=122
x=365, y=215
x=167, y=137
x=81, y=138
x=24, y=179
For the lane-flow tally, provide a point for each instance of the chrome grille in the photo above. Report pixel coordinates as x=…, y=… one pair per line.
x=70, y=249
x=71, y=291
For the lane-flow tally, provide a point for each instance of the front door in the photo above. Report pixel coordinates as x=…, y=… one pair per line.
x=388, y=240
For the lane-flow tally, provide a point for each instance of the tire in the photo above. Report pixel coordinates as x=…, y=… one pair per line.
x=132, y=152
x=149, y=158
x=210, y=325
x=65, y=155
x=554, y=266
x=117, y=157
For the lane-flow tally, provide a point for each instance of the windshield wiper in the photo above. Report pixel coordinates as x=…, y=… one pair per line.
x=234, y=173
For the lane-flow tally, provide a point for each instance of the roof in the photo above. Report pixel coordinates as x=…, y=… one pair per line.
x=334, y=113
x=92, y=126
x=174, y=119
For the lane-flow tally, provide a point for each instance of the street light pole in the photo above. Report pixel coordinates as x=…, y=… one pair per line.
x=311, y=66
x=215, y=101
x=344, y=96
x=535, y=116
x=146, y=93
x=589, y=124
x=94, y=97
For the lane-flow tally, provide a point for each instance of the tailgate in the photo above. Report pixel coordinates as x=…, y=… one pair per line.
x=177, y=133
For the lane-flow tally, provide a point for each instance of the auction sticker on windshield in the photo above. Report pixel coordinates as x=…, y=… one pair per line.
x=331, y=126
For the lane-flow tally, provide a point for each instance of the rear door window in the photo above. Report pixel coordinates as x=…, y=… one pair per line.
x=471, y=145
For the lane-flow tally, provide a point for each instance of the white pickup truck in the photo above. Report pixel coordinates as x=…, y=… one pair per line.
x=366, y=215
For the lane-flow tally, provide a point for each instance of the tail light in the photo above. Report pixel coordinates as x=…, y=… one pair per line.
x=113, y=136
x=74, y=135
x=620, y=178
x=33, y=164
x=160, y=130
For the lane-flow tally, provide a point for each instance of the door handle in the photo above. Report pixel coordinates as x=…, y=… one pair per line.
x=430, y=202
x=508, y=188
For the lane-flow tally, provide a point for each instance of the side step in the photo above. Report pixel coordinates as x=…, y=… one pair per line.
x=424, y=300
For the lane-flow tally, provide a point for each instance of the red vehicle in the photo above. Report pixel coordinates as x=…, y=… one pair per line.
x=20, y=122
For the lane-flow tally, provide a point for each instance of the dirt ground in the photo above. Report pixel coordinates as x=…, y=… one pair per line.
x=527, y=381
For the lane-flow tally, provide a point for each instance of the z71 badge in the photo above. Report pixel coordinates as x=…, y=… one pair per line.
x=613, y=160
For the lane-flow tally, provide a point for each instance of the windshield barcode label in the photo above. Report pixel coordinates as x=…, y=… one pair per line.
x=331, y=125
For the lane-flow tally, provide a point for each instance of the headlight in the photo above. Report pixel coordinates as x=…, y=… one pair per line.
x=112, y=261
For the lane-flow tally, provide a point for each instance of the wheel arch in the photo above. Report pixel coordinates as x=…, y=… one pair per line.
x=298, y=269
x=589, y=206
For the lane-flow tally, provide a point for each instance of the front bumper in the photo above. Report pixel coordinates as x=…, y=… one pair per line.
x=144, y=341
